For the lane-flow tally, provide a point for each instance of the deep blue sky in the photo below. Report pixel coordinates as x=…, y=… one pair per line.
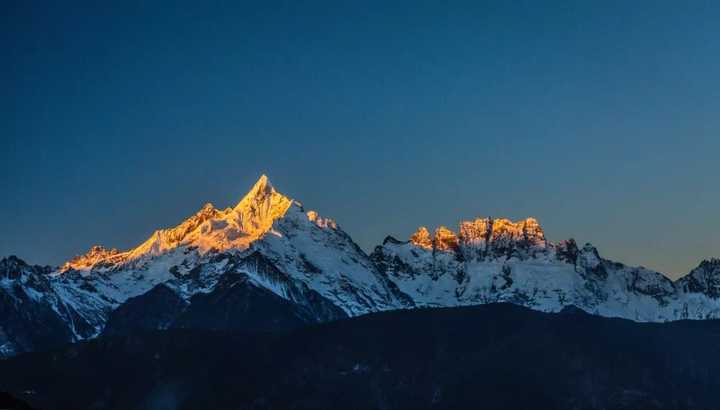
x=601, y=119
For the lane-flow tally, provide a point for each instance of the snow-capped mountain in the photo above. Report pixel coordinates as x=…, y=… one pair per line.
x=267, y=262
x=497, y=260
x=307, y=247
x=267, y=239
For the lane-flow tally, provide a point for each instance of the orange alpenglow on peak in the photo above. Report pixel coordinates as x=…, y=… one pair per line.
x=96, y=254
x=445, y=239
x=208, y=229
x=208, y=207
x=482, y=230
x=421, y=238
x=479, y=232
x=261, y=189
x=320, y=221
x=261, y=206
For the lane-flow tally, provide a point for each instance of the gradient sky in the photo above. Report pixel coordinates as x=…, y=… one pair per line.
x=601, y=119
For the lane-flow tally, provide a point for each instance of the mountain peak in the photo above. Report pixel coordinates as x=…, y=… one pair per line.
x=445, y=239
x=261, y=206
x=209, y=228
x=207, y=207
x=704, y=279
x=263, y=191
x=97, y=253
x=484, y=235
x=263, y=182
x=13, y=268
x=262, y=187
x=422, y=238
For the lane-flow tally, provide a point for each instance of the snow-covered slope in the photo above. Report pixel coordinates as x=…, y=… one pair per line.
x=270, y=243
x=502, y=261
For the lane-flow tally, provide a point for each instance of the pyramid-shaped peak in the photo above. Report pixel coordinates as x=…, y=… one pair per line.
x=261, y=206
x=263, y=187
x=262, y=191
x=263, y=184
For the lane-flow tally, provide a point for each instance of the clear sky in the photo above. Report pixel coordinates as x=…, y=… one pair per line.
x=601, y=119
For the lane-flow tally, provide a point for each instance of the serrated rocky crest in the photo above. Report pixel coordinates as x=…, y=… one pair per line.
x=497, y=260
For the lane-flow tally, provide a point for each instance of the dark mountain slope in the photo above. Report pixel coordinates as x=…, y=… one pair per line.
x=490, y=357
x=33, y=316
x=238, y=304
x=156, y=309
x=234, y=304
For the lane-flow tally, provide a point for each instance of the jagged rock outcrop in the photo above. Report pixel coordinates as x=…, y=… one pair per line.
x=487, y=238
x=422, y=239
x=445, y=240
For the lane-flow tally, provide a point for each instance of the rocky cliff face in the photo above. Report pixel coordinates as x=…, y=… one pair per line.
x=487, y=238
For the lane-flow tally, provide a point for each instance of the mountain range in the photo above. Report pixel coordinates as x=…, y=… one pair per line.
x=267, y=263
